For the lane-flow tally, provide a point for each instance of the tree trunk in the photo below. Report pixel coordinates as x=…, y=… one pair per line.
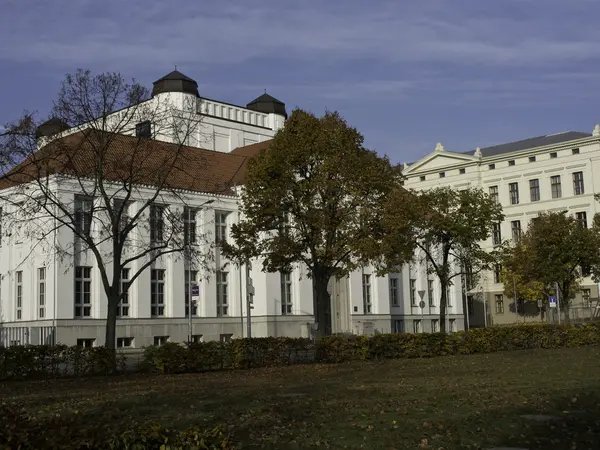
x=443, y=303
x=321, y=304
x=111, y=318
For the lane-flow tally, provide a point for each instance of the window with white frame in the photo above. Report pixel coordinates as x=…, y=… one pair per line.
x=430, y=292
x=222, y=294
x=191, y=277
x=124, y=342
x=499, y=304
x=496, y=233
x=161, y=340
x=578, y=188
x=157, y=223
x=86, y=342
x=497, y=273
x=220, y=226
x=123, y=309
x=435, y=325
x=189, y=225
x=394, y=291
x=286, y=292
x=515, y=227
x=19, y=292
x=366, y=291
x=513, y=191
x=586, y=294
x=41, y=282
x=534, y=190
x=83, y=292
x=555, y=186
x=398, y=326
x=493, y=190
x=413, y=291
x=83, y=215
x=157, y=293
x=452, y=325
x=581, y=218
x=416, y=326
x=448, y=297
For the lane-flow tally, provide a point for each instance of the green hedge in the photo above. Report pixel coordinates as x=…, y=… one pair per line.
x=21, y=431
x=43, y=361
x=335, y=349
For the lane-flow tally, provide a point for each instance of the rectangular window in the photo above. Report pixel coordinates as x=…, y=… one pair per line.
x=416, y=326
x=83, y=215
x=286, y=292
x=496, y=234
x=41, y=292
x=156, y=223
x=197, y=338
x=189, y=225
x=511, y=162
x=499, y=304
x=448, y=298
x=435, y=326
x=124, y=342
x=398, y=326
x=220, y=226
x=430, y=292
x=556, y=186
x=532, y=159
x=222, y=294
x=513, y=191
x=394, y=291
x=515, y=227
x=85, y=342
x=575, y=151
x=534, y=190
x=451, y=326
x=413, y=292
x=157, y=293
x=553, y=155
x=191, y=277
x=578, y=183
x=494, y=193
x=123, y=310
x=582, y=218
x=83, y=292
x=442, y=174
x=19, y=283
x=143, y=130
x=366, y=289
x=225, y=337
x=586, y=294
x=161, y=340
x=492, y=166
x=461, y=171
x=121, y=211
x=422, y=178
x=497, y=273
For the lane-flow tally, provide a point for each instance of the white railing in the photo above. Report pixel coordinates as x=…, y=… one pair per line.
x=231, y=112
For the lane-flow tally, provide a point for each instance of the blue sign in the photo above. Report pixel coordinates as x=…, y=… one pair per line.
x=195, y=290
x=552, y=301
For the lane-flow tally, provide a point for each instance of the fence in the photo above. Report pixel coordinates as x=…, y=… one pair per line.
x=11, y=336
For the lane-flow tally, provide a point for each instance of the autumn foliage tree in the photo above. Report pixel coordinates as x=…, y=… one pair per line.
x=315, y=197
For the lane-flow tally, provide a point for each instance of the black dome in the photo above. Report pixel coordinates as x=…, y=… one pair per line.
x=51, y=127
x=175, y=82
x=268, y=104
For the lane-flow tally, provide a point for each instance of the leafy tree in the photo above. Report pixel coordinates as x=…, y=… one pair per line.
x=108, y=173
x=447, y=227
x=557, y=249
x=315, y=197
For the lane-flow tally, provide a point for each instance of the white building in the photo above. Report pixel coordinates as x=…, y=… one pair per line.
x=555, y=172
x=45, y=298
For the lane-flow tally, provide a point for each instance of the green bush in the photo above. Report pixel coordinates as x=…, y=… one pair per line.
x=21, y=431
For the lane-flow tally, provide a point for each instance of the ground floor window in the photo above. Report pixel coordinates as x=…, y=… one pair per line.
x=161, y=340
x=86, y=342
x=124, y=342
x=416, y=326
x=435, y=326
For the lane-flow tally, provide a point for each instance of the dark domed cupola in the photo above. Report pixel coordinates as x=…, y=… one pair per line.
x=268, y=105
x=175, y=82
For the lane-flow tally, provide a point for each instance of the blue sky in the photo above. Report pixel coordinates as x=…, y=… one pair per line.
x=407, y=74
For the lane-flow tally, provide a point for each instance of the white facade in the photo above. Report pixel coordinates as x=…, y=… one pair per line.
x=549, y=173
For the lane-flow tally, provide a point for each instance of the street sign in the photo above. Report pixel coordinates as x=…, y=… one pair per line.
x=195, y=292
x=422, y=304
x=552, y=301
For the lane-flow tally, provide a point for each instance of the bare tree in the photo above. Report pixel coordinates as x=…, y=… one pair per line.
x=97, y=192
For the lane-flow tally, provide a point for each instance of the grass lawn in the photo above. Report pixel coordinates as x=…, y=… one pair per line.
x=459, y=402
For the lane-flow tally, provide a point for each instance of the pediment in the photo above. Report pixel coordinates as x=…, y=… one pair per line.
x=437, y=159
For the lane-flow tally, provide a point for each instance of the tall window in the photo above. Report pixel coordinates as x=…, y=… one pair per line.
x=497, y=273
x=41, y=292
x=286, y=293
x=190, y=278
x=189, y=225
x=496, y=234
x=515, y=227
x=585, y=294
x=448, y=297
x=143, y=130
x=416, y=326
x=220, y=226
x=451, y=325
x=366, y=289
x=556, y=187
x=494, y=194
x=534, y=190
x=413, y=292
x=578, y=183
x=121, y=210
x=394, y=291
x=582, y=218
x=123, y=310
x=430, y=292
x=19, y=302
x=499, y=304
x=513, y=191
x=435, y=325
x=156, y=223
x=222, y=294
x=157, y=293
x=83, y=291
x=83, y=215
